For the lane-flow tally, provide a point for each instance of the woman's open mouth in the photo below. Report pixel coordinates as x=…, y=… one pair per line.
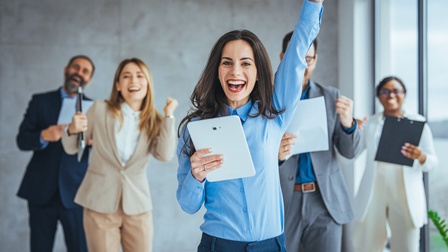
x=133, y=89
x=236, y=86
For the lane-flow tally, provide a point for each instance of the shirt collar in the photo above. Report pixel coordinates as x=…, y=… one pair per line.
x=306, y=93
x=64, y=94
x=242, y=112
x=127, y=110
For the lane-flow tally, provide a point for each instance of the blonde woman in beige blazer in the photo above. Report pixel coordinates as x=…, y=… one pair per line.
x=125, y=130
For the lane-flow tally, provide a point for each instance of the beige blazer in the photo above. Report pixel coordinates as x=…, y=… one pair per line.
x=107, y=181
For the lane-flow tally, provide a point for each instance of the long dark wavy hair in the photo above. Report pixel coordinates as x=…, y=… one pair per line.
x=209, y=100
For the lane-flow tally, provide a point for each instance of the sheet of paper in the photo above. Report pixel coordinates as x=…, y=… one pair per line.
x=68, y=109
x=310, y=126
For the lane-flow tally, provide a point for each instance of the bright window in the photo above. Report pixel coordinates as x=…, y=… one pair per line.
x=437, y=112
x=397, y=54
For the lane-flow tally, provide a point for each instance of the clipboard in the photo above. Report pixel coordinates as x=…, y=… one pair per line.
x=224, y=135
x=396, y=132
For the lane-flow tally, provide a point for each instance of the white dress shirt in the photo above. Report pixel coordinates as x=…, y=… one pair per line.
x=126, y=134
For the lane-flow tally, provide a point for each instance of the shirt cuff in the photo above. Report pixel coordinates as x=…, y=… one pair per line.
x=312, y=12
x=351, y=129
x=43, y=143
x=193, y=185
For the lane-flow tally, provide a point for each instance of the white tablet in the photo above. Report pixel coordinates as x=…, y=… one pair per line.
x=224, y=135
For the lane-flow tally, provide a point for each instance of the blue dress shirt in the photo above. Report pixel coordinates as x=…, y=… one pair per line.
x=251, y=209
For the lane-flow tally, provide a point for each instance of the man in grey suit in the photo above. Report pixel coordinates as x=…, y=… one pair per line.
x=315, y=195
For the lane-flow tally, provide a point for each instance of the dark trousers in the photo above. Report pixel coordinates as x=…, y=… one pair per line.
x=215, y=244
x=43, y=221
x=309, y=226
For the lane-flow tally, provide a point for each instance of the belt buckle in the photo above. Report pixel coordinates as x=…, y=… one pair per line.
x=313, y=189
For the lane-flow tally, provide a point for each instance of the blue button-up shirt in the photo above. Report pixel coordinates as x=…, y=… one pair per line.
x=251, y=209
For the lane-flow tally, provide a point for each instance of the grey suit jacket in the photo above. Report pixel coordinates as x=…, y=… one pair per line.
x=107, y=182
x=328, y=174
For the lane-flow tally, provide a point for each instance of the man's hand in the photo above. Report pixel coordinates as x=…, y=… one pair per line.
x=78, y=124
x=52, y=133
x=286, y=146
x=344, y=107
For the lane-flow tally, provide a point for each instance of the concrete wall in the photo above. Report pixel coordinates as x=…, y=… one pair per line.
x=173, y=37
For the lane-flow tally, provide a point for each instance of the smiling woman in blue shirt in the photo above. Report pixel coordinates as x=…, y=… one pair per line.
x=244, y=214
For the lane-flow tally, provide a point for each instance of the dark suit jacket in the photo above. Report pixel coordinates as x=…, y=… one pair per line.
x=328, y=175
x=50, y=170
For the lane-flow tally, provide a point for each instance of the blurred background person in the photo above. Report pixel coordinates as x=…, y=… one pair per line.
x=314, y=191
x=392, y=194
x=52, y=176
x=126, y=130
